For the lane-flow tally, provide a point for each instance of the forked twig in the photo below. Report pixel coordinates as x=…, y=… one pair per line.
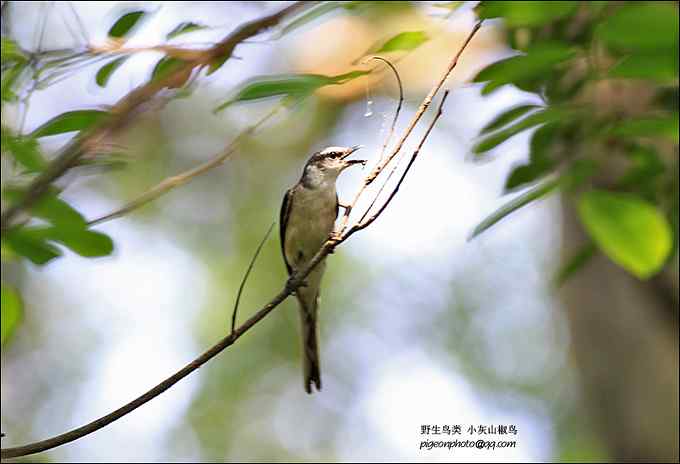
x=416, y=118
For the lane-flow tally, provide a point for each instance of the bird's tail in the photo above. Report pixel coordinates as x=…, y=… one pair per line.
x=310, y=348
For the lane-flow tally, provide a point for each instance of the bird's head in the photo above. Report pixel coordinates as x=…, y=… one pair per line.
x=328, y=163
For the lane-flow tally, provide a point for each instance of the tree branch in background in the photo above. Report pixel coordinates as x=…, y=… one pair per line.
x=122, y=111
x=172, y=182
x=293, y=282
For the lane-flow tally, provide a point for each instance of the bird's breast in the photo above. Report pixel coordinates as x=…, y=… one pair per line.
x=311, y=220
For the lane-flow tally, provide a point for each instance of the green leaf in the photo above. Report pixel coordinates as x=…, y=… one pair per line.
x=540, y=162
x=35, y=248
x=664, y=127
x=515, y=204
x=507, y=117
x=629, y=230
x=12, y=78
x=69, y=122
x=523, y=13
x=295, y=85
x=404, y=41
x=11, y=52
x=524, y=70
x=165, y=67
x=310, y=15
x=84, y=242
x=577, y=261
x=126, y=23
x=25, y=150
x=184, y=28
x=544, y=116
x=50, y=208
x=105, y=72
x=12, y=309
x=649, y=26
x=661, y=67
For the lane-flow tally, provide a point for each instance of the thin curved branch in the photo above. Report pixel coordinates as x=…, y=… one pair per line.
x=247, y=274
x=126, y=107
x=177, y=180
x=416, y=118
x=399, y=105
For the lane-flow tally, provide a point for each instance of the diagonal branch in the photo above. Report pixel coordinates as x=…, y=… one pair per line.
x=178, y=180
x=122, y=111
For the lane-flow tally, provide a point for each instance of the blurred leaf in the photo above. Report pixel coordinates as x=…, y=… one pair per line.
x=645, y=168
x=666, y=127
x=126, y=23
x=540, y=162
x=523, y=13
x=577, y=261
x=448, y=5
x=403, y=41
x=661, y=67
x=641, y=26
x=84, y=242
x=523, y=70
x=184, y=28
x=507, y=117
x=629, y=230
x=69, y=122
x=50, y=208
x=34, y=248
x=105, y=72
x=167, y=66
x=295, y=85
x=12, y=309
x=10, y=78
x=25, y=150
x=311, y=15
x=515, y=204
x=11, y=52
x=545, y=116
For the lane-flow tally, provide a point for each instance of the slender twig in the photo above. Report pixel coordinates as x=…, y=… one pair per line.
x=399, y=105
x=416, y=118
x=245, y=276
x=391, y=132
x=293, y=282
x=177, y=180
x=365, y=223
x=126, y=107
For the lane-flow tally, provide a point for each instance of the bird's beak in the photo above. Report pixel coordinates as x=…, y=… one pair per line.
x=352, y=150
x=349, y=163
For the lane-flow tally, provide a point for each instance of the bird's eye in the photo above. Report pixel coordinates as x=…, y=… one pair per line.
x=336, y=155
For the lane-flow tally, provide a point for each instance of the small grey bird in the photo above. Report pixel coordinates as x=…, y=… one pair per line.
x=308, y=216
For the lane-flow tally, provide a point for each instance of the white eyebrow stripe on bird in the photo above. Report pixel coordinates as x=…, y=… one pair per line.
x=329, y=150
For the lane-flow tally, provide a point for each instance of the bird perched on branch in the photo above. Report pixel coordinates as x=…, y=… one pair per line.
x=307, y=219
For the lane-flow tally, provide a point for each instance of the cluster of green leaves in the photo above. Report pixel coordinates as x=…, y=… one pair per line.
x=564, y=51
x=50, y=223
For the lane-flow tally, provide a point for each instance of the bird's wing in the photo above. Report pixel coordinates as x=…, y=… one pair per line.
x=283, y=225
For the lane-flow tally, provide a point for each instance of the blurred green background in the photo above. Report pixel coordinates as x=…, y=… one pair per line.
x=419, y=325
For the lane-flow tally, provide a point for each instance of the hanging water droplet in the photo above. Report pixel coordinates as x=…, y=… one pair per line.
x=369, y=109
